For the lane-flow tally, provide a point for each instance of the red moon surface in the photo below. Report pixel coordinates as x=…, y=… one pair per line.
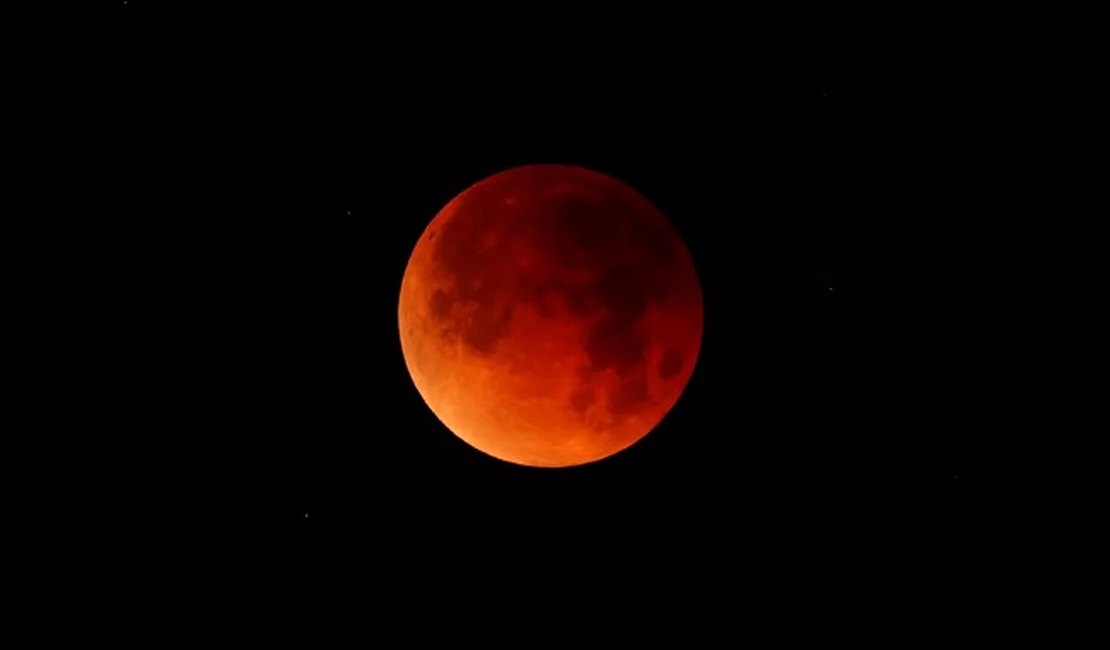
x=550, y=315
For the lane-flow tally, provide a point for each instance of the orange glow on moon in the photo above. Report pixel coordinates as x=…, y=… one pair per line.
x=550, y=316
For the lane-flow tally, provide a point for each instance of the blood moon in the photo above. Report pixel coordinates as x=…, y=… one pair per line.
x=550, y=315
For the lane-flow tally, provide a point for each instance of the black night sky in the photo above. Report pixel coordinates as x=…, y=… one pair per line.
x=891, y=296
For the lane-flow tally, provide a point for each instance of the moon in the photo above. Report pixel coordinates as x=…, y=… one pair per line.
x=550, y=316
